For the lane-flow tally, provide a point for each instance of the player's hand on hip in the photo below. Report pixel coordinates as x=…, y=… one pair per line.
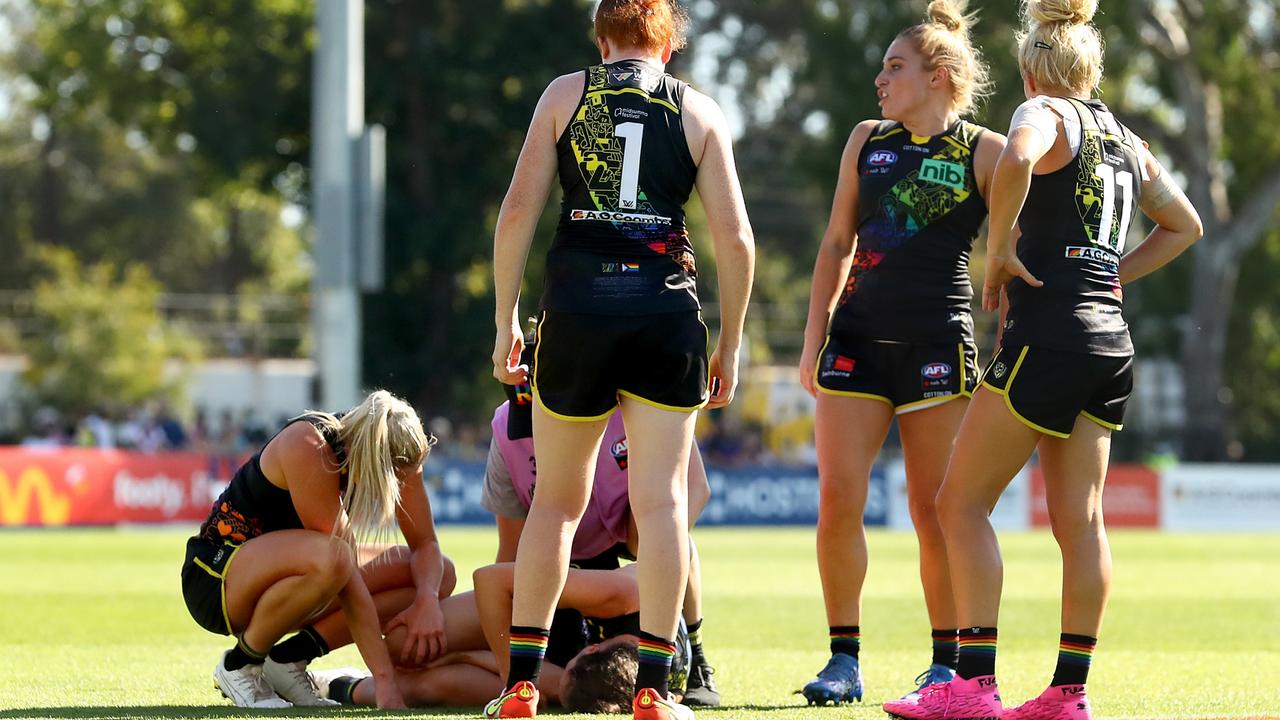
x=723, y=369
x=507, y=347
x=999, y=272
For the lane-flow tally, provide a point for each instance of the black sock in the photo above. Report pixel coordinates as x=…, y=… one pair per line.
x=242, y=655
x=945, y=647
x=977, y=652
x=306, y=646
x=655, y=655
x=527, y=647
x=343, y=689
x=846, y=639
x=1074, y=655
x=695, y=643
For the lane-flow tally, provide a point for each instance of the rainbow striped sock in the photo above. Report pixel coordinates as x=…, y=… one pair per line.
x=846, y=639
x=945, y=646
x=977, y=652
x=1075, y=652
x=655, y=663
x=527, y=646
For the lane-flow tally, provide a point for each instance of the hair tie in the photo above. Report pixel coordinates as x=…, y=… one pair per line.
x=1043, y=45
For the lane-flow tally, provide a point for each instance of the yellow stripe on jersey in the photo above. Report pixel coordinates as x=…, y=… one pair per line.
x=636, y=91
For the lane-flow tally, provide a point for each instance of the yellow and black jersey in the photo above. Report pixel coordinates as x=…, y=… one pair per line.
x=1074, y=224
x=918, y=212
x=621, y=247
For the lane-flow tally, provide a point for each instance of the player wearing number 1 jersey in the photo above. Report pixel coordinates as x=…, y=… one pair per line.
x=1069, y=179
x=620, y=323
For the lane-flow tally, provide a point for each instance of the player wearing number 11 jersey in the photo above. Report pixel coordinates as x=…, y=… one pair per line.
x=620, y=325
x=1070, y=179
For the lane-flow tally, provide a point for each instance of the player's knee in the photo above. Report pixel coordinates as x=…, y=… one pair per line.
x=1070, y=525
x=840, y=521
x=332, y=564
x=951, y=508
x=923, y=507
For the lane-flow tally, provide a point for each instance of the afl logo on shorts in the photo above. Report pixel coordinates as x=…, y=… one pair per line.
x=882, y=158
x=619, y=450
x=936, y=371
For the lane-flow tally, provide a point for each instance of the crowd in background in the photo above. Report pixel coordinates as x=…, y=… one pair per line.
x=726, y=441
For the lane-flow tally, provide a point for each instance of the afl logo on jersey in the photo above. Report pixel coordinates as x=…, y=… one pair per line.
x=936, y=371
x=619, y=451
x=882, y=158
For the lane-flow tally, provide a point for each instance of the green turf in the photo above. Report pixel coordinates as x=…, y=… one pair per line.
x=92, y=625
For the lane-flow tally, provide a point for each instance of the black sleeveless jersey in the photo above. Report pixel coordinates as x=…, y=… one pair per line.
x=1074, y=224
x=621, y=247
x=918, y=213
x=251, y=505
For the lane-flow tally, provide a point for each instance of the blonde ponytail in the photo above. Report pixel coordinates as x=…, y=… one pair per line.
x=1059, y=47
x=943, y=40
x=381, y=435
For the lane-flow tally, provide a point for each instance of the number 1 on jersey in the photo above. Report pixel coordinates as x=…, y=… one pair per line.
x=632, y=135
x=1111, y=178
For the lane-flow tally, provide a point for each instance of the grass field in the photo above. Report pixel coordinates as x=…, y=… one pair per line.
x=92, y=625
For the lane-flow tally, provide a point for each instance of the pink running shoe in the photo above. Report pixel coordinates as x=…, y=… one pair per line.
x=960, y=699
x=1060, y=702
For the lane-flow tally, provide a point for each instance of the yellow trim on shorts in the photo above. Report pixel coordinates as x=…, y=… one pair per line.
x=841, y=393
x=533, y=383
x=1008, y=385
x=569, y=418
x=222, y=585
x=226, y=616
x=925, y=404
x=660, y=406
x=1100, y=421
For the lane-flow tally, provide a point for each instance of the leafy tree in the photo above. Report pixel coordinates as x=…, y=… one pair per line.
x=1223, y=79
x=108, y=346
x=455, y=83
x=144, y=105
x=1175, y=87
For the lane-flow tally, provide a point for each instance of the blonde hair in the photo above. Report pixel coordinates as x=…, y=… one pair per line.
x=1059, y=47
x=943, y=39
x=380, y=436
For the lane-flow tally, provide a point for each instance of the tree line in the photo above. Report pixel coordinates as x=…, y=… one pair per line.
x=166, y=137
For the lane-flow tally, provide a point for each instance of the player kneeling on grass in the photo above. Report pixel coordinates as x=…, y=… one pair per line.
x=607, y=529
x=276, y=555
x=592, y=655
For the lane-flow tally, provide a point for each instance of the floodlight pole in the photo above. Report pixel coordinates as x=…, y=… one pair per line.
x=346, y=197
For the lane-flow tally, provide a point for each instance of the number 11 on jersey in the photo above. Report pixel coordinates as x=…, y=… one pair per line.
x=632, y=135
